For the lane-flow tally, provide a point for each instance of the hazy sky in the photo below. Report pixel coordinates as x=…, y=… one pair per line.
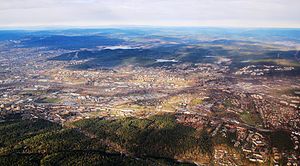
x=246, y=13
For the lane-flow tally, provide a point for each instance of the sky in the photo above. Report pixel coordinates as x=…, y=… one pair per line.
x=85, y=13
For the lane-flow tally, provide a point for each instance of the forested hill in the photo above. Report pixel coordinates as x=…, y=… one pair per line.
x=91, y=142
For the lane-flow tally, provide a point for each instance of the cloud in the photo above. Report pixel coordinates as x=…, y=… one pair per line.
x=284, y=13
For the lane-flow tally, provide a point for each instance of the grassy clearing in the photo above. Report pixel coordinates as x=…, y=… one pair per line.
x=281, y=62
x=251, y=118
x=196, y=101
x=49, y=100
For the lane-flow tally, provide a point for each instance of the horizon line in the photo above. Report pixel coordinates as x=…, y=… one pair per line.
x=58, y=27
